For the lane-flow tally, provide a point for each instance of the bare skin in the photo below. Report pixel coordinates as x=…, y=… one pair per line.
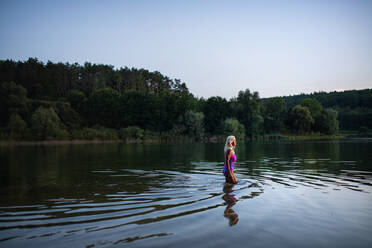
x=230, y=177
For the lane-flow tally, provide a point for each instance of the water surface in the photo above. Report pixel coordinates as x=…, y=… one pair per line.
x=289, y=194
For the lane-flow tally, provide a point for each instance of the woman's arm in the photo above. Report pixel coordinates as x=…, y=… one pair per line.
x=228, y=155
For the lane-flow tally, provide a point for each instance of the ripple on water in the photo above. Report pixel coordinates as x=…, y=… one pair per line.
x=163, y=195
x=170, y=194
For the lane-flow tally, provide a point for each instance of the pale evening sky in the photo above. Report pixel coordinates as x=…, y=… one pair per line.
x=216, y=47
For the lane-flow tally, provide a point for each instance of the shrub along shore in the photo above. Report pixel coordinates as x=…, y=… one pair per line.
x=149, y=140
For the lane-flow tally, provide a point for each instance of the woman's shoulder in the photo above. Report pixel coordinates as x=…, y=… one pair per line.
x=230, y=151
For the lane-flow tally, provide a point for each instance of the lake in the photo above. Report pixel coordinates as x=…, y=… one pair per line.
x=289, y=194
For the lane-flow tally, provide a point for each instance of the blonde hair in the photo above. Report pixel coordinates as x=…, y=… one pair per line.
x=228, y=144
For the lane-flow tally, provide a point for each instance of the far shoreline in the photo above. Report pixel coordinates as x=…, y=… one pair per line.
x=213, y=139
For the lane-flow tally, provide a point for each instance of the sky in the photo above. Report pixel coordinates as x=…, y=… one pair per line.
x=216, y=47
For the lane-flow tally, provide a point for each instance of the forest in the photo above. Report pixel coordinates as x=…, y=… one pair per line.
x=63, y=101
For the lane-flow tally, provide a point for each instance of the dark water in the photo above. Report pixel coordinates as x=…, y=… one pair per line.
x=290, y=194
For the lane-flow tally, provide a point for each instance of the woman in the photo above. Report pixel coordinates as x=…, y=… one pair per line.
x=230, y=158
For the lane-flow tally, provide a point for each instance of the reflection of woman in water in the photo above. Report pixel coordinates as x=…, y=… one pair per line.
x=230, y=158
x=230, y=199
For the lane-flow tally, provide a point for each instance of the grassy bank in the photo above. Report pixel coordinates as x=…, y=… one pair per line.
x=55, y=142
x=301, y=137
x=175, y=139
x=11, y=142
x=363, y=133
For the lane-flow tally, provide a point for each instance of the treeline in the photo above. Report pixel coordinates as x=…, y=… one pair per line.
x=354, y=106
x=71, y=101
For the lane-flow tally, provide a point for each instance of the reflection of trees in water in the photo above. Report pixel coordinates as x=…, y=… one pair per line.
x=316, y=164
x=287, y=150
x=230, y=200
x=288, y=155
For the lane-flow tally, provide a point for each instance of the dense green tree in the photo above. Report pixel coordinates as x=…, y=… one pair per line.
x=316, y=109
x=363, y=130
x=314, y=106
x=215, y=110
x=32, y=76
x=354, y=118
x=102, y=108
x=13, y=100
x=17, y=127
x=69, y=117
x=132, y=132
x=248, y=110
x=166, y=111
x=232, y=126
x=77, y=99
x=274, y=114
x=138, y=109
x=45, y=123
x=327, y=121
x=55, y=80
x=300, y=119
x=194, y=123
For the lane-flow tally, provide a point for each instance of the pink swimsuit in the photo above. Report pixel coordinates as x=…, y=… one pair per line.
x=232, y=160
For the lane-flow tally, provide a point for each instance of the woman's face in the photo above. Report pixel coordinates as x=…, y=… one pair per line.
x=233, y=142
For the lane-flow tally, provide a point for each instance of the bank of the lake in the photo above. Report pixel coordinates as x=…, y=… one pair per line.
x=214, y=139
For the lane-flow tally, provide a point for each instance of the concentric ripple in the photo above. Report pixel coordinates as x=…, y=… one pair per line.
x=165, y=195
